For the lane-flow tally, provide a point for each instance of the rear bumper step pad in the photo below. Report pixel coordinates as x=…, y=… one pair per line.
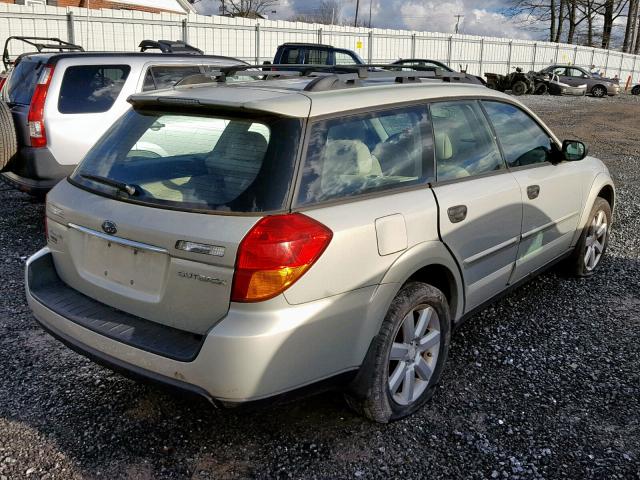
x=47, y=288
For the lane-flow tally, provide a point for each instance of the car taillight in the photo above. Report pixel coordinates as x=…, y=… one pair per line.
x=36, y=110
x=275, y=253
x=3, y=80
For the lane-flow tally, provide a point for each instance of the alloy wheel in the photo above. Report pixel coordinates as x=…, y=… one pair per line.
x=595, y=241
x=414, y=354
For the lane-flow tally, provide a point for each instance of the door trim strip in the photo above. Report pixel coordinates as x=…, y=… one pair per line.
x=118, y=240
x=548, y=225
x=490, y=251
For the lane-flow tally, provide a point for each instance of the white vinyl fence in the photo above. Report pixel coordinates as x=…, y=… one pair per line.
x=256, y=40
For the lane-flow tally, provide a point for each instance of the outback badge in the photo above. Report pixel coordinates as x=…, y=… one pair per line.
x=109, y=227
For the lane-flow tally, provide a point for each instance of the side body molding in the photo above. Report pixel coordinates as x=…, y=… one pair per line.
x=423, y=255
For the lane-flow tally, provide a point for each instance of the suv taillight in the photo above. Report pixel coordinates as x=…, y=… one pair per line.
x=275, y=253
x=36, y=110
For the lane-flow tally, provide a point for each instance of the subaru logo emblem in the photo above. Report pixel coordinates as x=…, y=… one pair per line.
x=109, y=227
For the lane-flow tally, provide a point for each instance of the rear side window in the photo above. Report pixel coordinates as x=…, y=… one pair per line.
x=367, y=153
x=23, y=80
x=196, y=162
x=523, y=141
x=91, y=88
x=464, y=144
x=344, y=58
x=167, y=76
x=290, y=56
x=317, y=57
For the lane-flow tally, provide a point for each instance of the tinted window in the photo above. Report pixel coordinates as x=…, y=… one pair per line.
x=291, y=56
x=91, y=88
x=523, y=141
x=22, y=82
x=317, y=57
x=464, y=143
x=344, y=58
x=167, y=76
x=196, y=162
x=367, y=153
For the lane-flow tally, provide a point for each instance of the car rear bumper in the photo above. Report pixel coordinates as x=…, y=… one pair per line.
x=257, y=351
x=35, y=170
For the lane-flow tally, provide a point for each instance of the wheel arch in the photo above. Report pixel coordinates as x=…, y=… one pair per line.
x=432, y=263
x=608, y=193
x=601, y=187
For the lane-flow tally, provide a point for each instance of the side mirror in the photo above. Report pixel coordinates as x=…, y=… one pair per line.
x=574, y=150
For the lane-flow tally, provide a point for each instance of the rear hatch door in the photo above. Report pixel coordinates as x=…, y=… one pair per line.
x=151, y=220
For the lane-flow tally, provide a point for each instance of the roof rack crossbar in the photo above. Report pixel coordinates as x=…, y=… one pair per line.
x=169, y=46
x=37, y=43
x=220, y=76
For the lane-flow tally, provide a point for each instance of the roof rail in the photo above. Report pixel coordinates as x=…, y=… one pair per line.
x=169, y=46
x=53, y=44
x=324, y=77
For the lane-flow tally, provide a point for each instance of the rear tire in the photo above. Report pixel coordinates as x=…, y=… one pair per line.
x=599, y=91
x=635, y=90
x=405, y=361
x=519, y=88
x=8, y=140
x=592, y=245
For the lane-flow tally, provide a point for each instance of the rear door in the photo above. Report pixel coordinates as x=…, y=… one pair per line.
x=478, y=198
x=551, y=193
x=83, y=102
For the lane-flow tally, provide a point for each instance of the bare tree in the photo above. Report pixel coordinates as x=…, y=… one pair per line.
x=630, y=28
x=329, y=12
x=247, y=8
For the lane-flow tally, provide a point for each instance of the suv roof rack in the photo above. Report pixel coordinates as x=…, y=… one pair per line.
x=323, y=77
x=52, y=44
x=169, y=46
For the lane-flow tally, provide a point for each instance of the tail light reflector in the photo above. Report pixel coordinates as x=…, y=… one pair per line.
x=275, y=253
x=3, y=80
x=36, y=110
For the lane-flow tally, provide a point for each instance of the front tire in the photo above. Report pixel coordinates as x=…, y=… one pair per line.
x=635, y=90
x=519, y=88
x=405, y=361
x=593, y=241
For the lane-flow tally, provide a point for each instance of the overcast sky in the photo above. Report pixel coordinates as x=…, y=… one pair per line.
x=480, y=18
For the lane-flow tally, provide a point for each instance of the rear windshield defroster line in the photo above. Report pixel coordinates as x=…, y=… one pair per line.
x=192, y=161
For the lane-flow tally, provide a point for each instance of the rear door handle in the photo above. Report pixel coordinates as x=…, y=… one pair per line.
x=533, y=191
x=457, y=213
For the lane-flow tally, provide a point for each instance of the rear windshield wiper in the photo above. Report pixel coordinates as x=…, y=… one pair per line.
x=123, y=187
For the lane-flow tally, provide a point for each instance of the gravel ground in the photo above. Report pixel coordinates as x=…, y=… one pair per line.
x=544, y=384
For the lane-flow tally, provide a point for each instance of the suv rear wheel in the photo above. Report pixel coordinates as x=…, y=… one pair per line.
x=405, y=361
x=8, y=141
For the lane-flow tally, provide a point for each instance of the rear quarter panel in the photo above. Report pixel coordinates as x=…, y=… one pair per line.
x=353, y=259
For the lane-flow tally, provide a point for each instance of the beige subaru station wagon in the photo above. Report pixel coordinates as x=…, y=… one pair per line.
x=246, y=240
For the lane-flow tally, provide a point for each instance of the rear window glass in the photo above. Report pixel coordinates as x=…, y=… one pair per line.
x=166, y=76
x=290, y=56
x=195, y=162
x=22, y=82
x=91, y=88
